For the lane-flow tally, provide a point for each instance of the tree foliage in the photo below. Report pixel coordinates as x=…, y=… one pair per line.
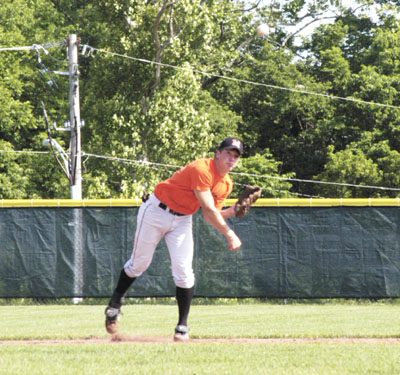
x=163, y=82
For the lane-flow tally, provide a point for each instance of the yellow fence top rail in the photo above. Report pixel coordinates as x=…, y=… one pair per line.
x=263, y=202
x=4, y=203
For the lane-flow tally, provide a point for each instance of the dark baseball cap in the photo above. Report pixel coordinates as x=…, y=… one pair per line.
x=231, y=143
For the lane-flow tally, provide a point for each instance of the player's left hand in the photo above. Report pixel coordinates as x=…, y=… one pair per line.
x=246, y=199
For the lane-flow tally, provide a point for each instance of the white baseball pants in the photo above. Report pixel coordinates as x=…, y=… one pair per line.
x=154, y=223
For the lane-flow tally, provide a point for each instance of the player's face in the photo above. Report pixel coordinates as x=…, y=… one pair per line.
x=226, y=160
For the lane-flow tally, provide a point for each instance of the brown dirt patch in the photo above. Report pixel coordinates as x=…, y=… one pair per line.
x=116, y=339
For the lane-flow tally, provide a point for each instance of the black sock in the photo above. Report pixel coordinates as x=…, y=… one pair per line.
x=184, y=298
x=123, y=285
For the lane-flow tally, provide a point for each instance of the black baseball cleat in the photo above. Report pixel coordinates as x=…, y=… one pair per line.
x=112, y=319
x=181, y=334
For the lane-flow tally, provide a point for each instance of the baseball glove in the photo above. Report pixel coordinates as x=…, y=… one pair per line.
x=246, y=199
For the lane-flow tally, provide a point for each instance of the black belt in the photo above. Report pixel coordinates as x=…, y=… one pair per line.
x=165, y=207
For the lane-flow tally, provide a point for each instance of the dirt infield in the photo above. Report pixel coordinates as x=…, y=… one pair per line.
x=116, y=339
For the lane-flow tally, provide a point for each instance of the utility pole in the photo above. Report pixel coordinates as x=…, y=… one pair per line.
x=75, y=163
x=75, y=119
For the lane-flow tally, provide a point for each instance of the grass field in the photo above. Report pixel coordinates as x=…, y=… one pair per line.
x=69, y=339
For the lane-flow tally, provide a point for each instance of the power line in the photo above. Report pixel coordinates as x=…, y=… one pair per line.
x=88, y=50
x=43, y=47
x=349, y=99
x=141, y=162
x=133, y=161
x=25, y=152
x=38, y=48
x=317, y=182
x=146, y=163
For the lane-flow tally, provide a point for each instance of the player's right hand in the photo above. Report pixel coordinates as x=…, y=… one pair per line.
x=234, y=242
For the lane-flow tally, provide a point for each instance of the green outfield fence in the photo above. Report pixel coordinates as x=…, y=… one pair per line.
x=292, y=248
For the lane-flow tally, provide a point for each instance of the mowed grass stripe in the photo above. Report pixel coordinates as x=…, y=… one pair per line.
x=206, y=321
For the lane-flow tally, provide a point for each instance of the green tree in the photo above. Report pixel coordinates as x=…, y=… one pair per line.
x=145, y=119
x=13, y=182
x=263, y=170
x=25, y=80
x=159, y=115
x=345, y=59
x=368, y=74
x=349, y=166
x=370, y=161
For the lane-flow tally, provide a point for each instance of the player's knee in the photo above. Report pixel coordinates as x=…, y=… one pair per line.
x=135, y=268
x=184, y=280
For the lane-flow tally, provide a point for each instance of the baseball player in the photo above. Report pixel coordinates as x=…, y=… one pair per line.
x=168, y=213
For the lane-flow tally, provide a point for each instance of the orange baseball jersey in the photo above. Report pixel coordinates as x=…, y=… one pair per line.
x=177, y=192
